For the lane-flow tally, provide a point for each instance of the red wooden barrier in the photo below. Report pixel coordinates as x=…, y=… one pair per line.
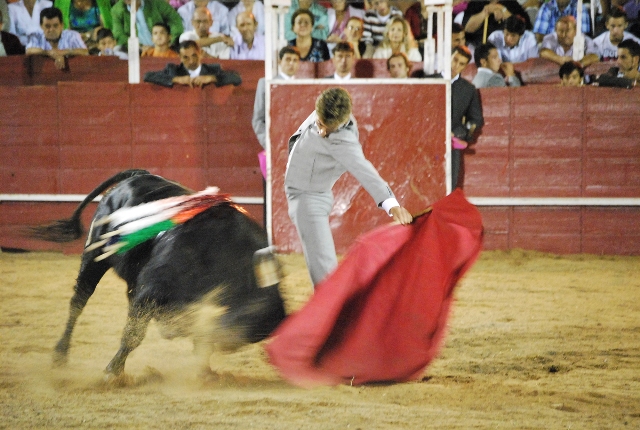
x=540, y=141
x=37, y=70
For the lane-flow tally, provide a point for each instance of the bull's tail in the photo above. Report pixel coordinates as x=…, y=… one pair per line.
x=67, y=230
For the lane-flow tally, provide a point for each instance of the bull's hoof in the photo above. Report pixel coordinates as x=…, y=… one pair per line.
x=220, y=379
x=149, y=376
x=59, y=359
x=121, y=380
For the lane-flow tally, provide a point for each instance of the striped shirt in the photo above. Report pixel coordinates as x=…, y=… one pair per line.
x=374, y=25
x=69, y=39
x=549, y=14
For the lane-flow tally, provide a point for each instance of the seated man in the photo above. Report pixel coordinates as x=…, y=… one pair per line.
x=218, y=11
x=628, y=59
x=213, y=45
x=399, y=65
x=514, y=43
x=607, y=42
x=571, y=74
x=147, y=14
x=24, y=18
x=551, y=11
x=489, y=64
x=466, y=110
x=161, y=43
x=248, y=45
x=343, y=61
x=191, y=71
x=254, y=6
x=54, y=42
x=9, y=43
x=288, y=64
x=558, y=46
x=458, y=36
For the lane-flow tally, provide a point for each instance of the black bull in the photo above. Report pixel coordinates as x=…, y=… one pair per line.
x=197, y=279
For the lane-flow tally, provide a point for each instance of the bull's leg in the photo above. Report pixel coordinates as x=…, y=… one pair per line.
x=132, y=336
x=203, y=348
x=89, y=276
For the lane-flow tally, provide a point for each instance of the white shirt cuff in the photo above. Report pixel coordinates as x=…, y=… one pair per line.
x=391, y=202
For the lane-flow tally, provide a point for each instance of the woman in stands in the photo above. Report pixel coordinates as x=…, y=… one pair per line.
x=339, y=14
x=86, y=17
x=397, y=38
x=311, y=49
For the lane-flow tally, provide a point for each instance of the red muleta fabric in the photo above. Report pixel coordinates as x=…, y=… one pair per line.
x=381, y=315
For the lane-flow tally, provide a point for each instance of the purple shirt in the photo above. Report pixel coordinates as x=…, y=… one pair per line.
x=241, y=51
x=69, y=39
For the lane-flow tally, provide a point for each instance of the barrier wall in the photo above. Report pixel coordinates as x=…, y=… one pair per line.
x=67, y=139
x=538, y=141
x=542, y=141
x=37, y=70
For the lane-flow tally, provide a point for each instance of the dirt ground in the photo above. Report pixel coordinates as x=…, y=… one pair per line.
x=536, y=341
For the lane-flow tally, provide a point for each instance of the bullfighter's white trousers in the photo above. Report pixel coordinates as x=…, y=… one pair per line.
x=309, y=212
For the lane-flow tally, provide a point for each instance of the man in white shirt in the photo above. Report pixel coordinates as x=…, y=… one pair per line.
x=514, y=43
x=24, y=17
x=607, y=42
x=247, y=44
x=254, y=6
x=289, y=62
x=214, y=45
x=558, y=46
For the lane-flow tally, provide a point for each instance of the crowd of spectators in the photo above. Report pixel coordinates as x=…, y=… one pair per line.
x=505, y=32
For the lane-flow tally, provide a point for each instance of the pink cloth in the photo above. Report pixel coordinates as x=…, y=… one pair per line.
x=262, y=158
x=457, y=143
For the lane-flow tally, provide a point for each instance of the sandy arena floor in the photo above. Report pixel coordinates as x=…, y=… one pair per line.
x=536, y=341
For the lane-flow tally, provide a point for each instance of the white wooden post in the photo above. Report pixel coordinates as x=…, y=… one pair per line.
x=274, y=40
x=134, y=48
x=578, y=41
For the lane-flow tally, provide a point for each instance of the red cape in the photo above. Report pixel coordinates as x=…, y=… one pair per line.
x=381, y=315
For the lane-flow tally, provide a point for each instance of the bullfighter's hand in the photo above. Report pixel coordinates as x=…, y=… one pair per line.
x=401, y=215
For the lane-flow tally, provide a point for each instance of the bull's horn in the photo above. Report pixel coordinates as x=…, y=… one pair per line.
x=95, y=245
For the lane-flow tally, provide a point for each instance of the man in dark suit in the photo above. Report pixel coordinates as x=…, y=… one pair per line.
x=466, y=111
x=344, y=58
x=191, y=71
x=289, y=61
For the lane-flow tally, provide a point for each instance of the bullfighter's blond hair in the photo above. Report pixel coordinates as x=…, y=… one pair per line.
x=333, y=106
